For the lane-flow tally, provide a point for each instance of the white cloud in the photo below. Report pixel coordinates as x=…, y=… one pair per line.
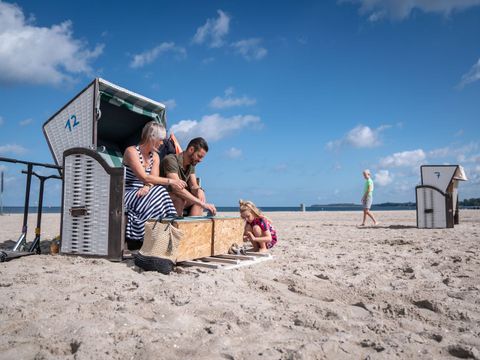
x=468, y=159
x=460, y=153
x=406, y=158
x=234, y=153
x=12, y=149
x=407, y=163
x=170, y=104
x=469, y=189
x=475, y=159
x=213, y=127
x=335, y=144
x=40, y=55
x=302, y=40
x=440, y=152
x=229, y=101
x=149, y=56
x=360, y=137
x=400, y=9
x=383, y=177
x=474, y=176
x=405, y=186
x=471, y=76
x=280, y=168
x=25, y=122
x=250, y=49
x=363, y=136
x=213, y=31
x=208, y=60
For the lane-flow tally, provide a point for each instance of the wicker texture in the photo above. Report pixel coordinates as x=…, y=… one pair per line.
x=161, y=240
x=86, y=183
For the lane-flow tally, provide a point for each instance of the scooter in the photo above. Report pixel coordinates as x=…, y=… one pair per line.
x=20, y=248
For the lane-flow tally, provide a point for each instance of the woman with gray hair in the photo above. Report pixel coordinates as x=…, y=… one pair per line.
x=146, y=196
x=367, y=198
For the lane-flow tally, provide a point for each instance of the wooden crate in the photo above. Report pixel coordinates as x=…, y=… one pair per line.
x=207, y=236
x=226, y=232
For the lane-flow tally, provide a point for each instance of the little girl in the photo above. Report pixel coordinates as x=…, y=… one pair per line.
x=258, y=228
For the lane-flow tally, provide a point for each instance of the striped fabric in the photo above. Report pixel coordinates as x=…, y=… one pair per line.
x=139, y=107
x=156, y=204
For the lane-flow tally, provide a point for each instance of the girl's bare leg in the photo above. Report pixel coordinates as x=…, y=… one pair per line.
x=248, y=229
x=261, y=245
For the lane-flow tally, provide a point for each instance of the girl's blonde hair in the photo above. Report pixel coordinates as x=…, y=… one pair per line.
x=246, y=205
x=153, y=131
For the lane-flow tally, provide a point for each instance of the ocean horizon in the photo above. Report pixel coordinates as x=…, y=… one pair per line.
x=57, y=209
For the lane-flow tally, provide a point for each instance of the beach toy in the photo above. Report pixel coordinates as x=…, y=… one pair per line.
x=55, y=245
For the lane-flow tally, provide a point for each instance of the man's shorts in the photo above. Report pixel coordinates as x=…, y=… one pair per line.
x=367, y=202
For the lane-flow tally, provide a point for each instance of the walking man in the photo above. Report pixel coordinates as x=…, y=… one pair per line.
x=367, y=198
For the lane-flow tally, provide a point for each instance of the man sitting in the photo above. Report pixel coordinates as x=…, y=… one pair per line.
x=182, y=166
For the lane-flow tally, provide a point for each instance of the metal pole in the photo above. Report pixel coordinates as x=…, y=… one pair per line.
x=27, y=198
x=22, y=240
x=35, y=246
x=23, y=237
x=15, y=161
x=1, y=193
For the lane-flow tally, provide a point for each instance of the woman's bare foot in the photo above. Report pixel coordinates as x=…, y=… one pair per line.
x=262, y=250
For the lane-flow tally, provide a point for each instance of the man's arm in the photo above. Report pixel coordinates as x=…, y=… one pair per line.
x=184, y=193
x=195, y=189
x=199, y=200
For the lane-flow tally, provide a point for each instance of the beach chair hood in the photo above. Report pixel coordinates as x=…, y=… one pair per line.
x=103, y=117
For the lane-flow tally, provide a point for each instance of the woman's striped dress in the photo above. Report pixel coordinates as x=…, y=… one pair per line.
x=156, y=204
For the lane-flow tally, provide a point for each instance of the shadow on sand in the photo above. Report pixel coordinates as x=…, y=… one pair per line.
x=44, y=245
x=395, y=227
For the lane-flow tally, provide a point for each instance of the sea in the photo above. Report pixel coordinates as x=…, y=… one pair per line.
x=57, y=209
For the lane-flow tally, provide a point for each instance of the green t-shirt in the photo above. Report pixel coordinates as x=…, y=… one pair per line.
x=173, y=163
x=368, y=183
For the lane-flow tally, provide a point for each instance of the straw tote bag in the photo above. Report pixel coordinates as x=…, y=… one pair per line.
x=161, y=240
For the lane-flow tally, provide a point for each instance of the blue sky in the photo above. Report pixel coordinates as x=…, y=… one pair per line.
x=295, y=98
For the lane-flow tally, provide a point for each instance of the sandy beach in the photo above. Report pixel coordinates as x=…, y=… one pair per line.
x=332, y=291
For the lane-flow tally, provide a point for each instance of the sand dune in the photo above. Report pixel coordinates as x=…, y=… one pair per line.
x=333, y=291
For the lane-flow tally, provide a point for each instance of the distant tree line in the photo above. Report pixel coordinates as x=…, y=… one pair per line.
x=466, y=202
x=470, y=202
x=393, y=204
